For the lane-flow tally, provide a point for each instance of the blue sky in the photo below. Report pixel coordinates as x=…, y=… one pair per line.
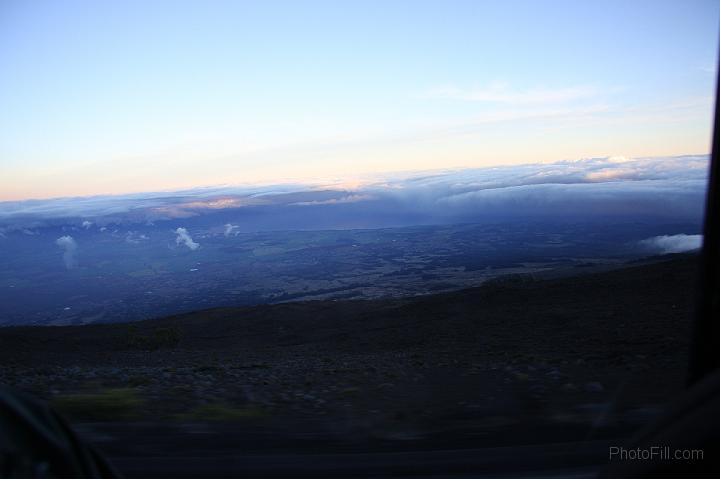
x=115, y=97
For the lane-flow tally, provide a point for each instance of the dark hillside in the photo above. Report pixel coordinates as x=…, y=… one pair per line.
x=607, y=309
x=582, y=355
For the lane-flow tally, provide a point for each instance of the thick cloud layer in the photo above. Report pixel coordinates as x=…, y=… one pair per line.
x=607, y=185
x=673, y=244
x=183, y=237
x=665, y=188
x=69, y=247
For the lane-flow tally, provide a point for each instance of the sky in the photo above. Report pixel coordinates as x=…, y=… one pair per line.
x=132, y=96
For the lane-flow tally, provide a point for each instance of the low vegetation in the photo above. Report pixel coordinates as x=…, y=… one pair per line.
x=223, y=412
x=109, y=404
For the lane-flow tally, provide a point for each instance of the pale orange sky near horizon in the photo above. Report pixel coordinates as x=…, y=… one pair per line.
x=331, y=164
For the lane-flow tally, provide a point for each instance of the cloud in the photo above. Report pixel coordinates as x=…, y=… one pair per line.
x=69, y=247
x=344, y=199
x=502, y=93
x=229, y=229
x=183, y=237
x=87, y=224
x=673, y=244
x=133, y=237
x=191, y=207
x=657, y=188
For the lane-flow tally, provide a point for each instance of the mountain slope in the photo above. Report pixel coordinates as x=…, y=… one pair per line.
x=512, y=360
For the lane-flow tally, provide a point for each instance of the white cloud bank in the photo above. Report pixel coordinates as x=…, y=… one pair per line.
x=334, y=201
x=654, y=189
x=673, y=244
x=183, y=237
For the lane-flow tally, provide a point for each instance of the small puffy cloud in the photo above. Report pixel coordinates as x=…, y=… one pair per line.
x=183, y=237
x=87, y=224
x=673, y=243
x=229, y=229
x=133, y=237
x=69, y=247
